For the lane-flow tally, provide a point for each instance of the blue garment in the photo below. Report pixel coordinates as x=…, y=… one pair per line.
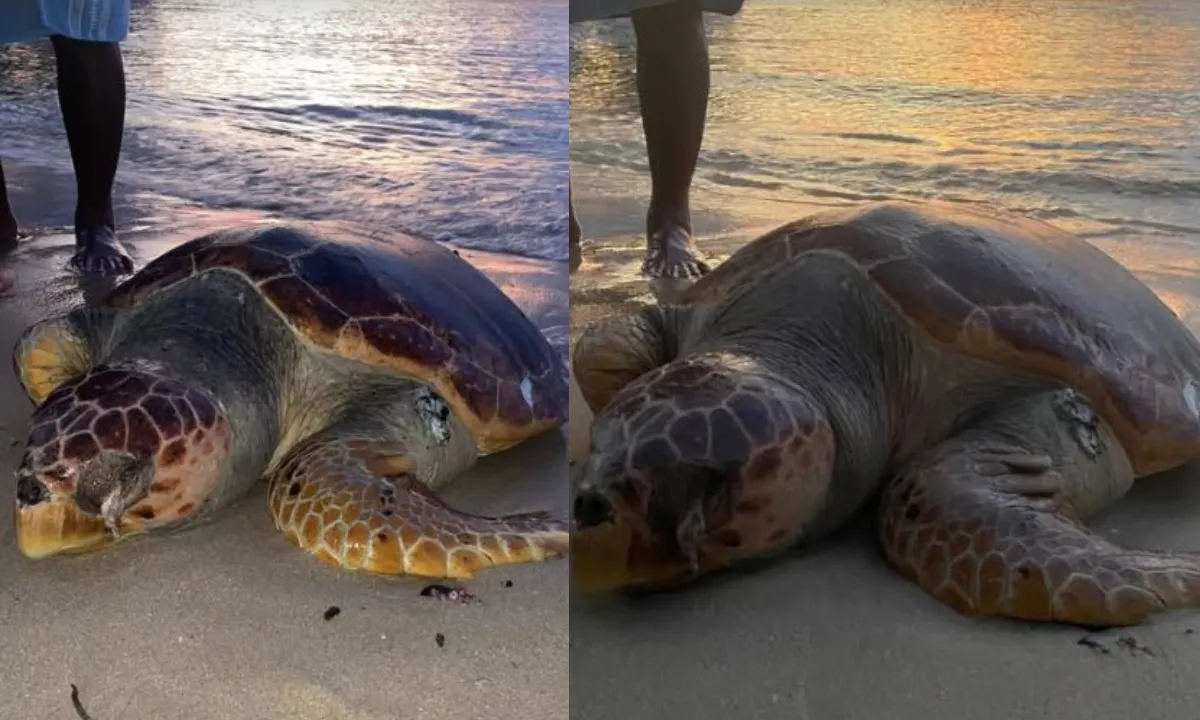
x=584, y=10
x=95, y=20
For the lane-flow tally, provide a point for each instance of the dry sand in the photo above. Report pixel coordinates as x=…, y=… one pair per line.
x=225, y=621
x=833, y=633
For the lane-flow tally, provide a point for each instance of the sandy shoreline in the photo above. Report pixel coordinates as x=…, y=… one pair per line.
x=226, y=621
x=833, y=633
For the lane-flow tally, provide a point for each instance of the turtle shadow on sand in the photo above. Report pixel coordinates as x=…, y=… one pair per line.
x=989, y=380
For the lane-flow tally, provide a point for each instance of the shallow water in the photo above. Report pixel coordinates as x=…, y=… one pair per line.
x=1084, y=112
x=445, y=119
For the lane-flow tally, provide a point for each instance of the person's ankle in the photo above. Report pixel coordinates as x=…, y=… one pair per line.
x=9, y=228
x=94, y=219
x=663, y=218
x=91, y=227
x=575, y=233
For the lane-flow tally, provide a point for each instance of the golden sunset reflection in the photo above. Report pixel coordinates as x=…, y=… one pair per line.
x=1082, y=113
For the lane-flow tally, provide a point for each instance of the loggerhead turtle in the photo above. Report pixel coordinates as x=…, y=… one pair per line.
x=996, y=379
x=356, y=374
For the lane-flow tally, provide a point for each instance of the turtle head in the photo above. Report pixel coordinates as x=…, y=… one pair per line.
x=118, y=452
x=693, y=467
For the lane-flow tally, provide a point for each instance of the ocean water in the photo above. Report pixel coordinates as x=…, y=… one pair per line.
x=1083, y=112
x=443, y=118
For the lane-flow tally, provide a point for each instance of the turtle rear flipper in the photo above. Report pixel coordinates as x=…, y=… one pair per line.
x=992, y=528
x=357, y=503
x=57, y=350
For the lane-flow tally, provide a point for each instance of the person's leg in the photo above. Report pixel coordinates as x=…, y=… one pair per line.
x=91, y=94
x=8, y=221
x=576, y=233
x=672, y=81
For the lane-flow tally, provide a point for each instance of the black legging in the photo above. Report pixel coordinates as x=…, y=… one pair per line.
x=91, y=94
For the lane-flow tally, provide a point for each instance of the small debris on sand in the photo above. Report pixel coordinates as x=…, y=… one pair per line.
x=445, y=592
x=1091, y=644
x=1134, y=647
x=440, y=639
x=332, y=611
x=78, y=704
x=508, y=583
x=1125, y=642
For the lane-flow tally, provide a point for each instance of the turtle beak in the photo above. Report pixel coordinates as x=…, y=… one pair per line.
x=57, y=525
x=617, y=558
x=612, y=550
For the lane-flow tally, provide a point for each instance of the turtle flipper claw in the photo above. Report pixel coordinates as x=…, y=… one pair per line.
x=1019, y=473
x=99, y=252
x=672, y=255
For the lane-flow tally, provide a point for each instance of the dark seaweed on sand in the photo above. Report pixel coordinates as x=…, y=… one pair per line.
x=78, y=704
x=1091, y=644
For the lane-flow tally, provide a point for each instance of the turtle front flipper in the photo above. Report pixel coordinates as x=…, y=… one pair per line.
x=57, y=350
x=613, y=353
x=357, y=503
x=989, y=523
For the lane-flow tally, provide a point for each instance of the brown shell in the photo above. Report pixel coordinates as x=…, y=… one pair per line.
x=399, y=303
x=1017, y=292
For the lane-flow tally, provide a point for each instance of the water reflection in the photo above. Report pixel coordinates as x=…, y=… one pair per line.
x=602, y=75
x=444, y=118
x=1081, y=111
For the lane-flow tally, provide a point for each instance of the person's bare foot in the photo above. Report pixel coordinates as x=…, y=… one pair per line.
x=672, y=254
x=99, y=252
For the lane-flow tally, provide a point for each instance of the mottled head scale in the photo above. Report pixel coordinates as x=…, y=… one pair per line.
x=685, y=468
x=116, y=452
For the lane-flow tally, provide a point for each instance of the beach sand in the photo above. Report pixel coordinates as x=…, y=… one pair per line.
x=833, y=633
x=225, y=621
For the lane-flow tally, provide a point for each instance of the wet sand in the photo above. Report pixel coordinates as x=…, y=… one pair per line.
x=832, y=632
x=225, y=621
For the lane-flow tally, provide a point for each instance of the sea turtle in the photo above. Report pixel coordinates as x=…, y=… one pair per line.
x=994, y=378
x=357, y=374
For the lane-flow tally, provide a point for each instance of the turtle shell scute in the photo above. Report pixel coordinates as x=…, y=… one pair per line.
x=399, y=303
